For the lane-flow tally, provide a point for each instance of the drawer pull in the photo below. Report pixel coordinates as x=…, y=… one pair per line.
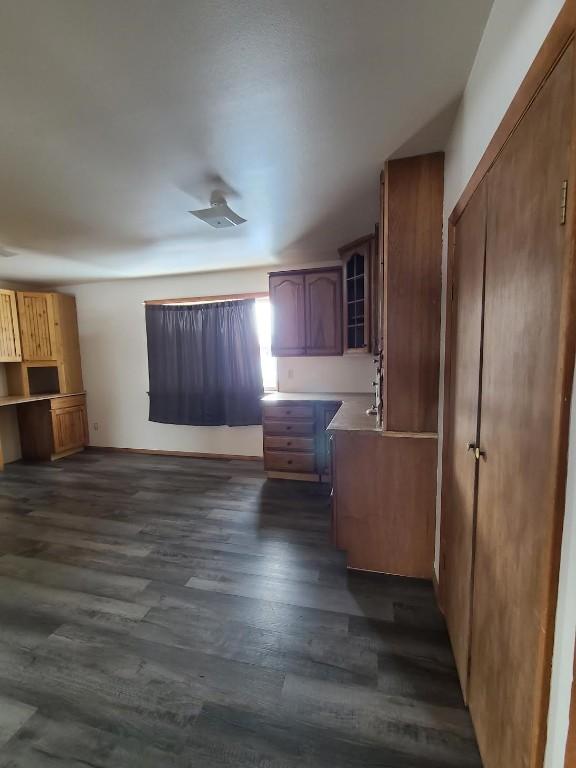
x=289, y=443
x=289, y=461
x=288, y=429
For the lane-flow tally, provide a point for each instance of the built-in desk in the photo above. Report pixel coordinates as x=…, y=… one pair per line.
x=51, y=426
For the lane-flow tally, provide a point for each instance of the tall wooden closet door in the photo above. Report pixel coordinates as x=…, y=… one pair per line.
x=517, y=521
x=462, y=433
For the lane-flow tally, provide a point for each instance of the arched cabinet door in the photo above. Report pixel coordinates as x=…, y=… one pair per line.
x=323, y=290
x=288, y=323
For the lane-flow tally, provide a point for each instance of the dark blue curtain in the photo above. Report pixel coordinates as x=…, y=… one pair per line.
x=204, y=364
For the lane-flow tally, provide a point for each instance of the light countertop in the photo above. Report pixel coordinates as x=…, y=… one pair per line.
x=351, y=416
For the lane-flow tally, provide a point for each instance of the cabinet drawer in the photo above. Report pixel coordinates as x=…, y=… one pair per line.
x=57, y=403
x=289, y=411
x=289, y=462
x=288, y=427
x=289, y=443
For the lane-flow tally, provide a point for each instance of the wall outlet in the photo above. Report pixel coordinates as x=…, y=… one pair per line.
x=290, y=373
x=96, y=426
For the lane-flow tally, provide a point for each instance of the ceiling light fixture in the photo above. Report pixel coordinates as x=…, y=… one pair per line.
x=219, y=215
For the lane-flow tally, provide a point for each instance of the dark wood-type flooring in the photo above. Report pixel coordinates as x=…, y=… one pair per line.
x=158, y=611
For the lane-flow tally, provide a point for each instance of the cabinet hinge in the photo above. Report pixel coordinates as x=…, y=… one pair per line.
x=563, y=201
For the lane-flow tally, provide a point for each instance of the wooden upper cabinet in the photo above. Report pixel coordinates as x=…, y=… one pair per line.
x=306, y=312
x=358, y=258
x=323, y=290
x=288, y=324
x=50, y=345
x=10, y=351
x=37, y=328
x=412, y=206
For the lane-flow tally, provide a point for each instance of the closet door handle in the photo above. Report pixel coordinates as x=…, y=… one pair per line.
x=478, y=452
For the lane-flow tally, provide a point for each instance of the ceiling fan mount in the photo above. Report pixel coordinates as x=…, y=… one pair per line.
x=219, y=215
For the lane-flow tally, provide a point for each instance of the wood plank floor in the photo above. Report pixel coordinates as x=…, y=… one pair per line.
x=157, y=611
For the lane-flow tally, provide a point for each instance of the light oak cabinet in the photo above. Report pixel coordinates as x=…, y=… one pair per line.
x=37, y=326
x=306, y=312
x=51, y=429
x=48, y=339
x=69, y=425
x=10, y=348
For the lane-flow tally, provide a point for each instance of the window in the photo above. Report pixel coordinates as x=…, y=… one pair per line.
x=204, y=363
x=264, y=325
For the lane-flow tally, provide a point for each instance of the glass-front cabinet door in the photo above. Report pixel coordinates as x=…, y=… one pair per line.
x=357, y=262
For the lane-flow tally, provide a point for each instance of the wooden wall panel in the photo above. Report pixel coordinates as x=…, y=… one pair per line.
x=385, y=492
x=412, y=241
x=519, y=518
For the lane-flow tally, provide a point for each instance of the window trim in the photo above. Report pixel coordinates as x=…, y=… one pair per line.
x=210, y=299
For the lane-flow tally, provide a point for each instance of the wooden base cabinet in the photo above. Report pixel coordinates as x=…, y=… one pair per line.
x=296, y=444
x=384, y=497
x=51, y=429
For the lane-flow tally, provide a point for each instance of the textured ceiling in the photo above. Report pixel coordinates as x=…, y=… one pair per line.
x=118, y=114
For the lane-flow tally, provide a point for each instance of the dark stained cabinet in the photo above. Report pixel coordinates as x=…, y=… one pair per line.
x=412, y=204
x=306, y=312
x=361, y=284
x=296, y=444
x=288, y=321
x=323, y=292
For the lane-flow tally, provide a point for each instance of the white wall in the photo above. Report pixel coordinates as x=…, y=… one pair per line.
x=115, y=365
x=564, y=640
x=512, y=38
x=350, y=373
